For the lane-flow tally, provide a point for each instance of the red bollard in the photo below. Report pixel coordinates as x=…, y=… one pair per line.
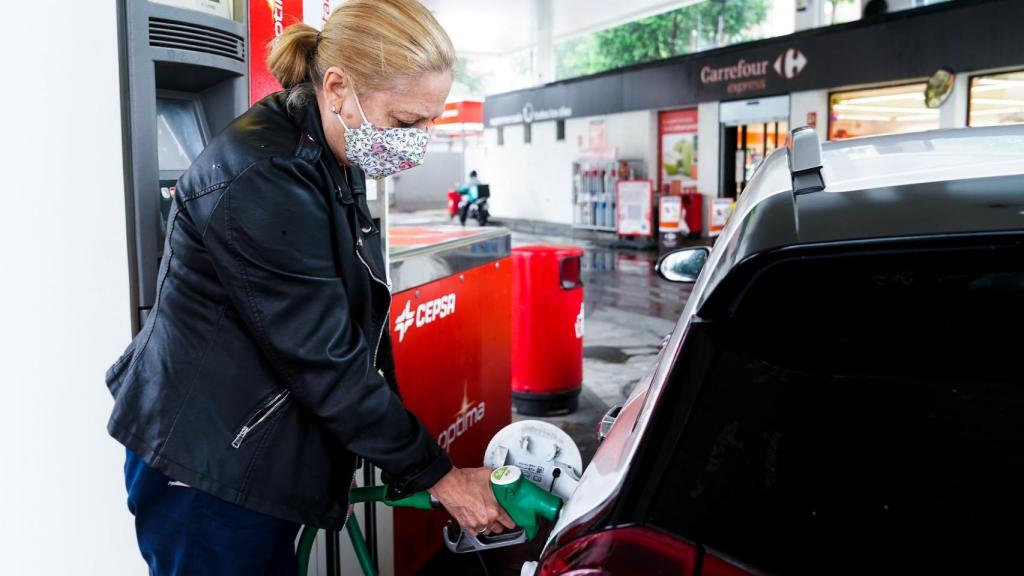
x=547, y=329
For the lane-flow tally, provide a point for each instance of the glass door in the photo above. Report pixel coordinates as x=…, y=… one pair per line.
x=754, y=142
x=750, y=131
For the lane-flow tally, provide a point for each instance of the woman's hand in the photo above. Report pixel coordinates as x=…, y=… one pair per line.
x=466, y=494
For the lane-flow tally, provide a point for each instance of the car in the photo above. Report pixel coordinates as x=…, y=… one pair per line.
x=844, y=390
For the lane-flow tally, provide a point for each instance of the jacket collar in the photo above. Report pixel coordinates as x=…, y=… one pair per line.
x=349, y=180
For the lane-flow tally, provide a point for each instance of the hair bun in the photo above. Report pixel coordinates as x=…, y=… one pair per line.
x=292, y=54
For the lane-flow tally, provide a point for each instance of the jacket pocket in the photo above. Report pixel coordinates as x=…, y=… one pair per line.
x=260, y=416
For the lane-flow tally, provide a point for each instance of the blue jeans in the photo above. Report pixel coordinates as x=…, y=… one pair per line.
x=183, y=531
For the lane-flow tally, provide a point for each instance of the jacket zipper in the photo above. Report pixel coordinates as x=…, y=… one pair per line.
x=260, y=415
x=384, y=324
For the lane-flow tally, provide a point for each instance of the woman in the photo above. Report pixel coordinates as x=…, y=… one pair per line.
x=265, y=368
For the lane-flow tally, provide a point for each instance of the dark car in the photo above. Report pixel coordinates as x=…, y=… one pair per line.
x=844, y=392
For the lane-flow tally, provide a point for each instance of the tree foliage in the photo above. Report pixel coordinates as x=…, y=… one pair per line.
x=689, y=29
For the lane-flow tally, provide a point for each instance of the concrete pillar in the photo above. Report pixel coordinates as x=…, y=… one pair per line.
x=543, y=43
x=803, y=104
x=708, y=132
x=809, y=14
x=953, y=112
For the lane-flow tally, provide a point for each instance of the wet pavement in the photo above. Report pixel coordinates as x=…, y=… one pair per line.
x=629, y=311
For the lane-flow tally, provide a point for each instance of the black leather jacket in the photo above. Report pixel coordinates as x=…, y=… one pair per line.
x=265, y=365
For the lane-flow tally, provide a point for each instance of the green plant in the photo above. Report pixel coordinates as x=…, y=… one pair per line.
x=681, y=31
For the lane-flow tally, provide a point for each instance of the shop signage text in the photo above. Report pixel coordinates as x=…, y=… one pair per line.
x=528, y=114
x=464, y=420
x=744, y=76
x=741, y=71
x=267, y=21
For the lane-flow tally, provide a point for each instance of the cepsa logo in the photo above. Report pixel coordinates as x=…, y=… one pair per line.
x=464, y=420
x=426, y=313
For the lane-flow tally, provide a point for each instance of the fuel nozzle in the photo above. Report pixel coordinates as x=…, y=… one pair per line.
x=523, y=500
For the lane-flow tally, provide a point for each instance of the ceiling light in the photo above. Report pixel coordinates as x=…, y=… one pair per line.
x=876, y=109
x=917, y=96
x=915, y=118
x=1002, y=101
x=993, y=111
x=872, y=117
x=1001, y=82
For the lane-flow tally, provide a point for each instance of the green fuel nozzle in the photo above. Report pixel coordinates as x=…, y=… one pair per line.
x=523, y=500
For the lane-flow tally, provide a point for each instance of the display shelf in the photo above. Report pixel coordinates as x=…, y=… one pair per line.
x=593, y=196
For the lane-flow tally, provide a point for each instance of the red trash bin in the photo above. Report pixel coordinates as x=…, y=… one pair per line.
x=547, y=329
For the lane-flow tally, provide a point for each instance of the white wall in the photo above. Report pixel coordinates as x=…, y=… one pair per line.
x=708, y=135
x=64, y=299
x=811, y=16
x=534, y=181
x=802, y=103
x=953, y=112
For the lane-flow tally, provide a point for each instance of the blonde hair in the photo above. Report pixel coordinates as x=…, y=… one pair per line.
x=379, y=44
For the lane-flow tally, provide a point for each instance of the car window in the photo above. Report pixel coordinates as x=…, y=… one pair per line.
x=862, y=414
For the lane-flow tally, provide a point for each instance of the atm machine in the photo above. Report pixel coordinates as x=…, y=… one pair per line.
x=184, y=67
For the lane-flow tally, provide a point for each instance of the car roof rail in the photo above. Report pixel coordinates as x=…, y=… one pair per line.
x=805, y=161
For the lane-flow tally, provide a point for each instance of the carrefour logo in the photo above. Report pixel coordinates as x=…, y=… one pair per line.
x=790, y=63
x=426, y=313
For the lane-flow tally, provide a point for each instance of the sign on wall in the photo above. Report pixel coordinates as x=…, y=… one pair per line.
x=267, y=21
x=677, y=151
x=634, y=201
x=597, y=134
x=957, y=36
x=720, y=210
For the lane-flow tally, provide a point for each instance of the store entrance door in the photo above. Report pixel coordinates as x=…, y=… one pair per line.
x=751, y=129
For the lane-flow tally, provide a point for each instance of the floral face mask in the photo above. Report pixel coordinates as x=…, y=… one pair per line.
x=381, y=152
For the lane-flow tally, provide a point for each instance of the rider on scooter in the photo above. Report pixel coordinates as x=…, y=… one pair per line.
x=470, y=192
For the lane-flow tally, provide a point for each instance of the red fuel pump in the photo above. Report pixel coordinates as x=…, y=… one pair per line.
x=450, y=329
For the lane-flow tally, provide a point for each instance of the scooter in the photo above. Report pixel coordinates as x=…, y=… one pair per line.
x=536, y=466
x=477, y=209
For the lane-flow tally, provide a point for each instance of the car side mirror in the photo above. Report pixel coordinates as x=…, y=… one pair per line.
x=683, y=265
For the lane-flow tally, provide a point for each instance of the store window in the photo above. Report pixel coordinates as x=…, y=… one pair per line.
x=996, y=99
x=527, y=133
x=874, y=111
x=501, y=135
x=560, y=130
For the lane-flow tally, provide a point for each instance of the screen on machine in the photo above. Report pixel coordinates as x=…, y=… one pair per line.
x=180, y=139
